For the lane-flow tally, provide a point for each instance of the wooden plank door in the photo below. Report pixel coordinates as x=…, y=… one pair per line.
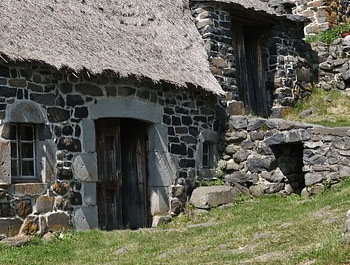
x=134, y=164
x=109, y=187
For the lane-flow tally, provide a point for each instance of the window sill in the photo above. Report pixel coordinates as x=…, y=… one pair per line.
x=29, y=188
x=206, y=173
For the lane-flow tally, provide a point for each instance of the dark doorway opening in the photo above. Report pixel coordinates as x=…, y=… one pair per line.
x=289, y=158
x=249, y=67
x=122, y=190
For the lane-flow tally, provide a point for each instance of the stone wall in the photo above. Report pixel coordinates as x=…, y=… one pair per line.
x=268, y=156
x=65, y=105
x=287, y=61
x=333, y=68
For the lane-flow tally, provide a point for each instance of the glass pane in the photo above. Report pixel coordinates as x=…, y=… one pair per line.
x=13, y=132
x=14, y=168
x=13, y=150
x=205, y=161
x=27, y=133
x=205, y=148
x=27, y=150
x=28, y=168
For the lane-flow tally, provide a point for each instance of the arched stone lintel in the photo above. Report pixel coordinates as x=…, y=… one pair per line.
x=25, y=112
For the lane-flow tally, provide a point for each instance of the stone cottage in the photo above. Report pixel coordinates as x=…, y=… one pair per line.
x=103, y=107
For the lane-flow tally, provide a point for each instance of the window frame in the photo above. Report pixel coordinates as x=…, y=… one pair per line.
x=207, y=155
x=19, y=177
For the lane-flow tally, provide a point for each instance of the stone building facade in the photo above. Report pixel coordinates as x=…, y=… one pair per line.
x=283, y=59
x=55, y=112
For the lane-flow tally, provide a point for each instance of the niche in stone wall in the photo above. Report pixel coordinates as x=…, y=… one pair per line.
x=289, y=158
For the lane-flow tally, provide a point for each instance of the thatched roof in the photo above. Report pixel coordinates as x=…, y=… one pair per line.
x=255, y=5
x=149, y=38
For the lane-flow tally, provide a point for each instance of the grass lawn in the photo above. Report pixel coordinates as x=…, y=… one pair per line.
x=269, y=230
x=330, y=108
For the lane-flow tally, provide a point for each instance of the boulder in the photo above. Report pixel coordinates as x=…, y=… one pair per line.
x=345, y=235
x=211, y=197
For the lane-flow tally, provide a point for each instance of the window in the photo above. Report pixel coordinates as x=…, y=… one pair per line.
x=23, y=151
x=206, y=162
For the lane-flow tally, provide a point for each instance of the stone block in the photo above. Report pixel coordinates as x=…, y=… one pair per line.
x=259, y=164
x=238, y=177
x=235, y=108
x=5, y=162
x=238, y=122
x=58, y=221
x=159, y=200
x=30, y=225
x=211, y=197
x=158, y=138
x=25, y=112
x=256, y=124
x=313, y=178
x=85, y=167
x=29, y=189
x=89, y=136
x=89, y=193
x=162, y=168
x=23, y=208
x=44, y=204
x=10, y=226
x=85, y=218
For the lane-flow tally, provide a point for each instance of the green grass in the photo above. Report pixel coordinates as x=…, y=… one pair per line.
x=332, y=108
x=293, y=229
x=330, y=35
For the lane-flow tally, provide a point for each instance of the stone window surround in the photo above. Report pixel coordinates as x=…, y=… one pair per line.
x=162, y=166
x=211, y=137
x=28, y=112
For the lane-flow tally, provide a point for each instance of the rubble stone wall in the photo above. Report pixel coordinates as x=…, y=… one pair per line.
x=64, y=105
x=276, y=156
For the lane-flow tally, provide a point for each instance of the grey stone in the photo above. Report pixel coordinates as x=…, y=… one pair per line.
x=259, y=164
x=162, y=169
x=345, y=235
x=241, y=156
x=313, y=145
x=313, y=178
x=17, y=241
x=344, y=172
x=159, y=200
x=247, y=145
x=10, y=226
x=236, y=137
x=254, y=125
x=341, y=144
x=232, y=166
x=211, y=197
x=44, y=204
x=5, y=162
x=88, y=89
x=256, y=190
x=292, y=137
x=276, y=139
x=238, y=177
x=58, y=221
x=257, y=135
x=25, y=111
x=316, y=189
x=89, y=193
x=89, y=136
x=85, y=167
x=231, y=149
x=277, y=176
x=265, y=150
x=238, y=122
x=85, y=218
x=127, y=107
x=306, y=113
x=271, y=188
x=158, y=138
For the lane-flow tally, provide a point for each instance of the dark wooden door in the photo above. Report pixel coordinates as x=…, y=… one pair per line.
x=109, y=187
x=250, y=71
x=135, y=194
x=122, y=188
